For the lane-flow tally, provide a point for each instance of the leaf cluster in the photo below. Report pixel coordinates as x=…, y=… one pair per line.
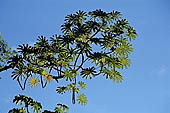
x=5, y=53
x=35, y=106
x=28, y=101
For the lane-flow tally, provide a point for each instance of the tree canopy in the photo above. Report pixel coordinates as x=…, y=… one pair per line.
x=92, y=44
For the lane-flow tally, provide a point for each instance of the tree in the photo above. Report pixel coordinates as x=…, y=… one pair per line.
x=73, y=56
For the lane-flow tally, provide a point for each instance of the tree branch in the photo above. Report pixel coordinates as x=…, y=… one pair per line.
x=77, y=59
x=100, y=71
x=58, y=70
x=6, y=68
x=96, y=32
x=24, y=83
x=42, y=84
x=57, y=77
x=82, y=62
x=27, y=109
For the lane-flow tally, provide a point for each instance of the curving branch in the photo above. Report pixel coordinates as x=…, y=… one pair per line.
x=58, y=70
x=42, y=84
x=57, y=77
x=77, y=59
x=82, y=62
x=24, y=82
x=27, y=109
x=6, y=68
x=97, y=31
x=100, y=71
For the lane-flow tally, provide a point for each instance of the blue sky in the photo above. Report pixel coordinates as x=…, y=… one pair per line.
x=146, y=84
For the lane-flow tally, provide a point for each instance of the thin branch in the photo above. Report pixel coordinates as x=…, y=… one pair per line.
x=57, y=77
x=24, y=83
x=27, y=109
x=41, y=80
x=73, y=96
x=82, y=62
x=45, y=84
x=77, y=59
x=6, y=68
x=20, y=84
x=108, y=52
x=58, y=70
x=42, y=84
x=76, y=66
x=100, y=71
x=96, y=32
x=50, y=69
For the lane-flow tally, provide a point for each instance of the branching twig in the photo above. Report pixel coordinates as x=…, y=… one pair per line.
x=58, y=70
x=24, y=82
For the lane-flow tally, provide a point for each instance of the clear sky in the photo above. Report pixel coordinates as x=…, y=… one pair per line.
x=146, y=84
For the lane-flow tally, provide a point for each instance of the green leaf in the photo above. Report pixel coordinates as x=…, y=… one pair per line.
x=58, y=110
x=88, y=72
x=82, y=85
x=68, y=75
x=70, y=86
x=61, y=108
x=131, y=33
x=61, y=90
x=44, y=72
x=117, y=77
x=77, y=90
x=82, y=99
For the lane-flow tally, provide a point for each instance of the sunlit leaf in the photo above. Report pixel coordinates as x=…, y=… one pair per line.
x=82, y=99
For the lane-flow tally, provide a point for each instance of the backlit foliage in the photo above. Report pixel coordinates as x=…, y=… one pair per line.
x=5, y=54
x=82, y=99
x=36, y=107
x=91, y=44
x=26, y=102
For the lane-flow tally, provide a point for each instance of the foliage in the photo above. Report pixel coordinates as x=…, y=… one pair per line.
x=20, y=99
x=35, y=106
x=73, y=56
x=82, y=99
x=5, y=53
